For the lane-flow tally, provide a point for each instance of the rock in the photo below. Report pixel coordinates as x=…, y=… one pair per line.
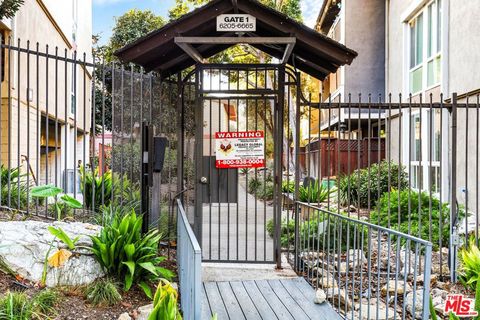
x=320, y=296
x=357, y=256
x=439, y=293
x=399, y=289
x=339, y=295
x=144, y=312
x=342, y=267
x=24, y=245
x=369, y=311
x=327, y=281
x=124, y=316
x=417, y=312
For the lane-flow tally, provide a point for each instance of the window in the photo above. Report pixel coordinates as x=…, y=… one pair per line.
x=73, y=98
x=425, y=152
x=425, y=47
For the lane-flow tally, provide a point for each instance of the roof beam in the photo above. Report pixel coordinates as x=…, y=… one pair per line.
x=191, y=51
x=235, y=40
x=288, y=52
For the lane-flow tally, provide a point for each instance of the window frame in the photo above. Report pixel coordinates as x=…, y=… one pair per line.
x=431, y=38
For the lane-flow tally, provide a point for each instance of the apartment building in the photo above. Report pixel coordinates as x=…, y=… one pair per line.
x=423, y=50
x=46, y=102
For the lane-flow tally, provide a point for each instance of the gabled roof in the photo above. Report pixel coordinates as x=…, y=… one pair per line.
x=314, y=53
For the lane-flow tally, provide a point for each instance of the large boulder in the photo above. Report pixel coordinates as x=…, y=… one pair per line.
x=25, y=244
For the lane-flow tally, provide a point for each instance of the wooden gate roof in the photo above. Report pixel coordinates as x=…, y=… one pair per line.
x=313, y=53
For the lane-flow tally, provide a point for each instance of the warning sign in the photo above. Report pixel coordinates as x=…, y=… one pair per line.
x=245, y=149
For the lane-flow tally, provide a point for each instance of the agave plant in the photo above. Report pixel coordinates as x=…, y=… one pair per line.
x=315, y=193
x=125, y=253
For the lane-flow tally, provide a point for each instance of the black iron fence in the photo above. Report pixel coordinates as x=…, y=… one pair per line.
x=422, y=182
x=68, y=120
x=73, y=124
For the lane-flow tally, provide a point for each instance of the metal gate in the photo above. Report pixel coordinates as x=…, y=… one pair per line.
x=237, y=209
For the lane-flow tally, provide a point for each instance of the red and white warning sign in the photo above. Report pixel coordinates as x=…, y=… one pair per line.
x=245, y=149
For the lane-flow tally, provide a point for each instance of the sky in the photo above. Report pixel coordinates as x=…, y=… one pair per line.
x=105, y=11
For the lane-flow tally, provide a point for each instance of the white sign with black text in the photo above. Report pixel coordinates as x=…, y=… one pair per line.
x=236, y=22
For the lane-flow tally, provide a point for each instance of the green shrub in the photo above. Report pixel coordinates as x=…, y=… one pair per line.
x=103, y=292
x=335, y=233
x=254, y=185
x=125, y=253
x=17, y=193
x=287, y=231
x=470, y=265
x=97, y=190
x=288, y=186
x=417, y=222
x=266, y=191
x=315, y=193
x=19, y=306
x=363, y=184
x=312, y=239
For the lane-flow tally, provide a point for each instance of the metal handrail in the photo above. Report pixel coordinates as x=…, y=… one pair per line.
x=189, y=261
x=367, y=224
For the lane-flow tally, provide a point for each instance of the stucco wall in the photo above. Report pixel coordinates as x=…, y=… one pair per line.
x=364, y=33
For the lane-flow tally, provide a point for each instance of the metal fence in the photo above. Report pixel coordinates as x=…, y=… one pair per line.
x=366, y=271
x=189, y=260
x=75, y=122
x=422, y=182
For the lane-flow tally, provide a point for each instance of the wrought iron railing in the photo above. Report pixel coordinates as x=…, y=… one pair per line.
x=366, y=271
x=189, y=260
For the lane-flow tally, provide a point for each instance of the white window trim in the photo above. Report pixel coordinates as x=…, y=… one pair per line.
x=424, y=163
x=413, y=11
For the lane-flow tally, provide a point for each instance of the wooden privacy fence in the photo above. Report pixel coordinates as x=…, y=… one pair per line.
x=341, y=156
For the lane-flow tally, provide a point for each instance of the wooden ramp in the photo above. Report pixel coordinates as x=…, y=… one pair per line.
x=290, y=298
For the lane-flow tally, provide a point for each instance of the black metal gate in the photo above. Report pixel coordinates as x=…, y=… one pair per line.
x=237, y=209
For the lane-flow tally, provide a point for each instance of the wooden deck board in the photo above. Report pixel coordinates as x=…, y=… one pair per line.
x=264, y=299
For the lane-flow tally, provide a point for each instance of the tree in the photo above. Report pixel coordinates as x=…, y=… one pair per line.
x=8, y=8
x=128, y=27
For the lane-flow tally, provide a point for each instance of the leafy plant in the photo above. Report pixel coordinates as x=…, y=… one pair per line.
x=97, y=190
x=315, y=193
x=125, y=253
x=13, y=188
x=288, y=186
x=368, y=185
x=254, y=185
x=470, y=265
x=287, y=231
x=103, y=292
x=19, y=306
x=409, y=212
x=165, y=305
x=60, y=256
x=265, y=191
x=62, y=236
x=64, y=204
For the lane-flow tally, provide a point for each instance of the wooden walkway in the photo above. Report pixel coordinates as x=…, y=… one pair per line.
x=290, y=298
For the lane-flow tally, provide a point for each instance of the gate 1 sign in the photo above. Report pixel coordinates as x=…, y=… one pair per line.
x=236, y=22
x=243, y=149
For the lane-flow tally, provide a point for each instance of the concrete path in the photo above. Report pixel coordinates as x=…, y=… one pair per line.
x=237, y=231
